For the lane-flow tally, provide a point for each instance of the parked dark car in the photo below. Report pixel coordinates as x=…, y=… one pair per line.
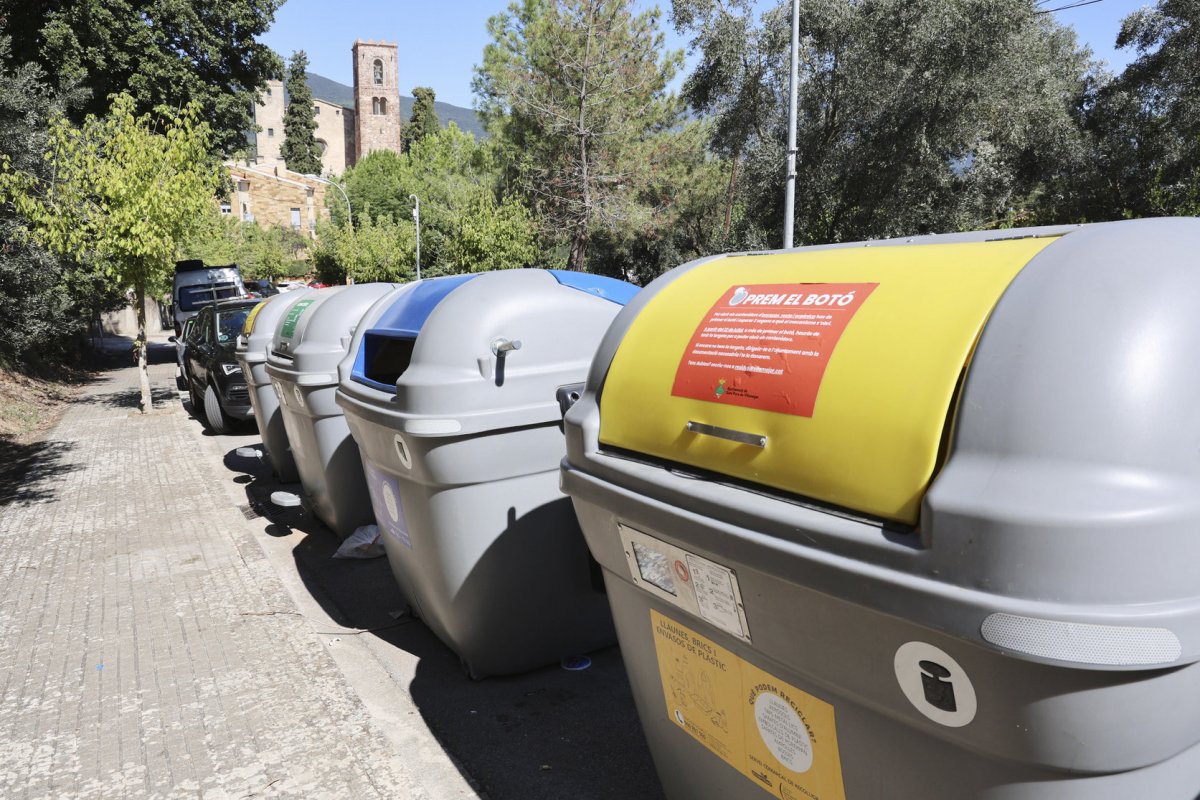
x=215, y=380
x=262, y=288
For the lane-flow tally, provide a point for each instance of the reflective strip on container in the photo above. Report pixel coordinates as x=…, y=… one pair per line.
x=1081, y=642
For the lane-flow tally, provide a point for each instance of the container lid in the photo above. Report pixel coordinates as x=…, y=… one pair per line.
x=259, y=328
x=474, y=352
x=829, y=374
x=315, y=332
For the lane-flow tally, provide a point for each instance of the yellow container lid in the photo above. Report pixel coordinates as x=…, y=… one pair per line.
x=829, y=374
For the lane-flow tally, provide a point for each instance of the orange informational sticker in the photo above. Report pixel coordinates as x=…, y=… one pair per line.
x=766, y=346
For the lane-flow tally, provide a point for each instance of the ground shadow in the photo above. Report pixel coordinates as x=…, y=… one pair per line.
x=132, y=398
x=548, y=733
x=116, y=352
x=27, y=470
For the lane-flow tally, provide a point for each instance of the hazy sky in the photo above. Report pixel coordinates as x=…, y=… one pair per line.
x=441, y=42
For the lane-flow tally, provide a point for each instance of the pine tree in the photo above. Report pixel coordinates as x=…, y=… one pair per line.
x=299, y=151
x=424, y=121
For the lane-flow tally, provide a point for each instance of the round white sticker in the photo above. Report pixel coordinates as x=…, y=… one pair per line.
x=389, y=500
x=279, y=391
x=935, y=684
x=783, y=732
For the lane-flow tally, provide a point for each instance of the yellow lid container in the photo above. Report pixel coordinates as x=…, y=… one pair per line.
x=828, y=374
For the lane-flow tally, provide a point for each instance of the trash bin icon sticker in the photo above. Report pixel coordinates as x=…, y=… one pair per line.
x=939, y=689
x=935, y=684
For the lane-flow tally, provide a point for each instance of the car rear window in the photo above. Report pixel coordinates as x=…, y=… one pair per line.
x=229, y=323
x=191, y=298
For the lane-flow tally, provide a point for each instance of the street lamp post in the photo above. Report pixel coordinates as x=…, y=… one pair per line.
x=789, y=190
x=349, y=213
x=319, y=179
x=417, y=219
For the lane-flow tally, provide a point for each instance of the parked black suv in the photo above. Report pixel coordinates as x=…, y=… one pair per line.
x=215, y=380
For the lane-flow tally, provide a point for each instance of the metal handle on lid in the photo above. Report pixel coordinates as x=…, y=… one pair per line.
x=741, y=437
x=501, y=346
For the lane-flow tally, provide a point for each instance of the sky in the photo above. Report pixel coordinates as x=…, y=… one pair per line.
x=441, y=41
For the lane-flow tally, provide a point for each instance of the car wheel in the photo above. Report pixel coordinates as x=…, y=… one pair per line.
x=218, y=420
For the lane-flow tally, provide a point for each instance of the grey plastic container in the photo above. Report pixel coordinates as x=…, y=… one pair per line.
x=309, y=342
x=1037, y=635
x=461, y=437
x=252, y=355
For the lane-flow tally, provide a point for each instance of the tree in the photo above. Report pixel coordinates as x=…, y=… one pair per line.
x=300, y=151
x=569, y=86
x=1146, y=122
x=123, y=192
x=260, y=253
x=677, y=209
x=488, y=236
x=424, y=120
x=462, y=212
x=379, y=249
x=49, y=301
x=914, y=115
x=162, y=54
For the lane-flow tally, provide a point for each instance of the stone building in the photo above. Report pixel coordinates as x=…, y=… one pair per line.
x=267, y=192
x=275, y=196
x=335, y=130
x=376, y=97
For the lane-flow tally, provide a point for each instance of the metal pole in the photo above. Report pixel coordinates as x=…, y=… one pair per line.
x=789, y=191
x=349, y=214
x=417, y=220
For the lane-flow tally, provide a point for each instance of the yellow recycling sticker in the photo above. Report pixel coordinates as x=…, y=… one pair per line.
x=783, y=739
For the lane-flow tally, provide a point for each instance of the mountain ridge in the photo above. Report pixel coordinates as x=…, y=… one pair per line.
x=332, y=91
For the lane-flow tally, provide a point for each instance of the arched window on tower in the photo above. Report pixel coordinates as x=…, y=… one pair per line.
x=378, y=72
x=383, y=105
x=375, y=105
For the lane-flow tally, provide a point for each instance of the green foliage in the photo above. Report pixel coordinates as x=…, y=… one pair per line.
x=125, y=189
x=163, y=54
x=424, y=120
x=300, y=152
x=676, y=209
x=1145, y=124
x=569, y=87
x=489, y=236
x=914, y=115
x=269, y=253
x=122, y=192
x=379, y=249
x=463, y=224
x=48, y=301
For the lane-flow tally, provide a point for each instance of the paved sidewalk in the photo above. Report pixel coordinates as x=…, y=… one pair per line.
x=147, y=646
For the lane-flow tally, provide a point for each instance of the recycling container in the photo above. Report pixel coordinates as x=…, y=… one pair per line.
x=452, y=393
x=309, y=341
x=253, y=344
x=908, y=519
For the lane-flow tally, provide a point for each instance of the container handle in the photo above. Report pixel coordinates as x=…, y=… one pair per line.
x=741, y=437
x=502, y=346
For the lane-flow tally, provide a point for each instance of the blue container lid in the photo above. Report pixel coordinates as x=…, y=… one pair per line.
x=611, y=289
x=385, y=349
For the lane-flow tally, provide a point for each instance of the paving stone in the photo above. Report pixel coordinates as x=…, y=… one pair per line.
x=140, y=657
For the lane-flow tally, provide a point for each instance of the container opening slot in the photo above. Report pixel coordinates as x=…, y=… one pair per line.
x=386, y=357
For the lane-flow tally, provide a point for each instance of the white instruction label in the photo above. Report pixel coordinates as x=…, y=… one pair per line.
x=714, y=594
x=699, y=586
